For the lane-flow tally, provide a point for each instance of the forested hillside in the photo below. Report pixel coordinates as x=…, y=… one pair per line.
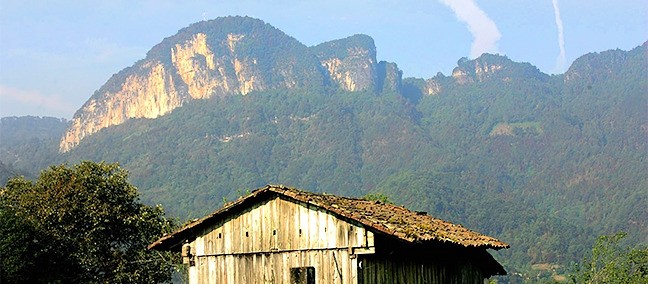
x=28, y=145
x=543, y=162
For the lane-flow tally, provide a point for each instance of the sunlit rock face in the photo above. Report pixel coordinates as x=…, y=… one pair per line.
x=493, y=67
x=147, y=93
x=432, y=87
x=225, y=57
x=350, y=62
x=479, y=70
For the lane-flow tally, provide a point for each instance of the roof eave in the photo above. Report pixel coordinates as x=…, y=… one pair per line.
x=173, y=241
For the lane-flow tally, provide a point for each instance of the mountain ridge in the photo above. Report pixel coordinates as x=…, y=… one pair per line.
x=237, y=55
x=225, y=56
x=541, y=160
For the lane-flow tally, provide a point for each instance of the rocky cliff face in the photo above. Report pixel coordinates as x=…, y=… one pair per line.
x=432, y=87
x=486, y=68
x=226, y=56
x=390, y=78
x=149, y=93
x=476, y=70
x=493, y=67
x=350, y=62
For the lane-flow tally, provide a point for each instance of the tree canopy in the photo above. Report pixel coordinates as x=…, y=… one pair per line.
x=80, y=224
x=612, y=262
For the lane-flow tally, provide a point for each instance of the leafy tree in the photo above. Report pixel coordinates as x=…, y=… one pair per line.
x=378, y=197
x=80, y=224
x=611, y=262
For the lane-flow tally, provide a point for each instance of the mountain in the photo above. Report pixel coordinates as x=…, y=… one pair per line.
x=7, y=172
x=544, y=162
x=222, y=57
x=28, y=144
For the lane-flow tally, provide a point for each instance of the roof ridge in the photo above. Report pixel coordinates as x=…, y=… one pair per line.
x=427, y=231
x=404, y=224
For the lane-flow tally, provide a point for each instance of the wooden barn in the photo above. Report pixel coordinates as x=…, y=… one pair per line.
x=284, y=235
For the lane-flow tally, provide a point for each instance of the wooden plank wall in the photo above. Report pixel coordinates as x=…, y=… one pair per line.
x=386, y=270
x=331, y=266
x=261, y=244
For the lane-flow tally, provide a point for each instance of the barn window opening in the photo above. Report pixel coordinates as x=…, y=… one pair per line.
x=274, y=232
x=300, y=233
x=302, y=275
x=246, y=234
x=219, y=235
x=188, y=255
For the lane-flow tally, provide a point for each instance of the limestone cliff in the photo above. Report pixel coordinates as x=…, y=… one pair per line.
x=389, y=77
x=486, y=68
x=432, y=87
x=148, y=93
x=350, y=62
x=493, y=67
x=476, y=70
x=226, y=56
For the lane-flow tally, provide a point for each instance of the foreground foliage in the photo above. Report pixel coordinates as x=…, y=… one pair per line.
x=611, y=262
x=80, y=224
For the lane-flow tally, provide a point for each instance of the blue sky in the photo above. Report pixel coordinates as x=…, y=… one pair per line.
x=55, y=54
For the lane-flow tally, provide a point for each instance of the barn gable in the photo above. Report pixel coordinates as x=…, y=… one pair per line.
x=277, y=233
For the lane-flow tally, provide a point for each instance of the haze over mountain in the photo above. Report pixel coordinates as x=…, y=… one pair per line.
x=544, y=162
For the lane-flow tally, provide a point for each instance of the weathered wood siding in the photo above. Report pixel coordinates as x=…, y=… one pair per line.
x=331, y=266
x=386, y=270
x=261, y=244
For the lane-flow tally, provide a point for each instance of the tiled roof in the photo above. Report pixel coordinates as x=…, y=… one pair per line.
x=389, y=219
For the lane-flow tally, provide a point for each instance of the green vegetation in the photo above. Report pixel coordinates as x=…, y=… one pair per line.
x=81, y=224
x=545, y=163
x=340, y=48
x=378, y=197
x=611, y=262
x=28, y=144
x=516, y=129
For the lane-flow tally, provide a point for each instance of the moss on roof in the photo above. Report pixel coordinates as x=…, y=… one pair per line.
x=388, y=219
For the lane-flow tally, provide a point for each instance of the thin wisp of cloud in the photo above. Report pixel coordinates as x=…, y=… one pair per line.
x=484, y=31
x=560, y=62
